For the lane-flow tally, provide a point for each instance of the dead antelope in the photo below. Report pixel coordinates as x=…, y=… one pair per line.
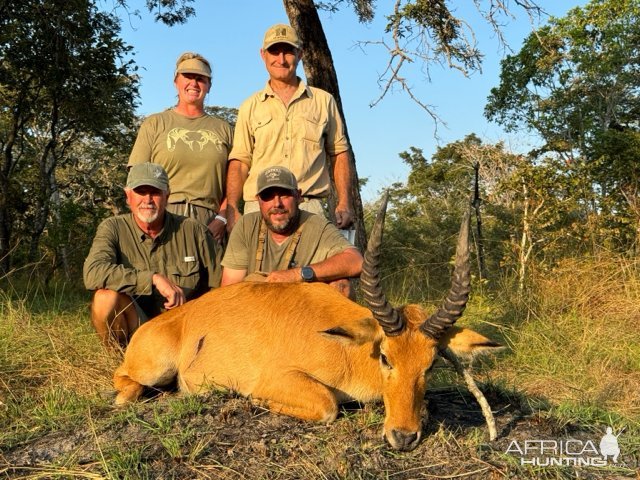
x=302, y=349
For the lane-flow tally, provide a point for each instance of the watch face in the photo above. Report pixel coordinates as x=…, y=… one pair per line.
x=307, y=274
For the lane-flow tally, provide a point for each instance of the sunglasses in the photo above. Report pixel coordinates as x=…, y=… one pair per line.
x=270, y=193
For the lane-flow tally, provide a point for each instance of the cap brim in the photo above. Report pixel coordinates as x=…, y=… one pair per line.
x=266, y=46
x=277, y=185
x=158, y=185
x=196, y=72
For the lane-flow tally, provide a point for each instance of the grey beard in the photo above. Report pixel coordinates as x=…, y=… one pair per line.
x=147, y=218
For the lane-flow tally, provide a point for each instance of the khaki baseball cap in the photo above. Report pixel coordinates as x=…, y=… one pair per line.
x=194, y=65
x=280, y=177
x=280, y=33
x=148, y=173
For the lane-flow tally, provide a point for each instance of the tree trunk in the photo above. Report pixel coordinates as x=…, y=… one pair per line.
x=321, y=73
x=47, y=163
x=6, y=220
x=5, y=225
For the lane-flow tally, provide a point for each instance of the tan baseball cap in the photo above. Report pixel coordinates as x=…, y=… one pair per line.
x=280, y=33
x=194, y=65
x=280, y=177
x=148, y=173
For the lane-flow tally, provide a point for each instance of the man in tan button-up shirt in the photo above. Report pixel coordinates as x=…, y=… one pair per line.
x=292, y=125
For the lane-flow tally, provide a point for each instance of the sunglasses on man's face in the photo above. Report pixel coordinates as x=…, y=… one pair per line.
x=271, y=193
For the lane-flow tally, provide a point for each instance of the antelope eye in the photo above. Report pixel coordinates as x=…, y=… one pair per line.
x=385, y=362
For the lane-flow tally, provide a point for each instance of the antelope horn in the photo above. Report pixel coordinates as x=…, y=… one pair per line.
x=387, y=316
x=456, y=300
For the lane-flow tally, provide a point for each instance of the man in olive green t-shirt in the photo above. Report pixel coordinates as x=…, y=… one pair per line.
x=282, y=243
x=147, y=261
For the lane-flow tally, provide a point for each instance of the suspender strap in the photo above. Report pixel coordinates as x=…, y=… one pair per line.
x=262, y=238
x=286, y=260
x=291, y=250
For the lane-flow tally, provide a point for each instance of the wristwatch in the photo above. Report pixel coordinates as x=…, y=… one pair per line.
x=307, y=274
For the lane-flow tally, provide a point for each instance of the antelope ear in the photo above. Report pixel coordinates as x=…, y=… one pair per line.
x=465, y=342
x=354, y=332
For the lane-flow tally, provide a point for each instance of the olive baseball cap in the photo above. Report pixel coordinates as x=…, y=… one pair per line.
x=148, y=173
x=194, y=65
x=280, y=33
x=280, y=177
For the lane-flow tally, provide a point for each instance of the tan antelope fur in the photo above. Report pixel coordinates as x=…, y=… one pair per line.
x=301, y=349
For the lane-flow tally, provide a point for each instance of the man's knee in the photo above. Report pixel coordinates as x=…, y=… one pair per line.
x=113, y=315
x=105, y=298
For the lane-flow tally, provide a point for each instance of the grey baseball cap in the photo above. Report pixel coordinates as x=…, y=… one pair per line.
x=276, y=177
x=148, y=173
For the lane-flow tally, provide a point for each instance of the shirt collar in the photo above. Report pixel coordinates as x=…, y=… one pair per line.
x=302, y=89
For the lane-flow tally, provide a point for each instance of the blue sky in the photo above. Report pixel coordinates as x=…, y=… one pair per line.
x=229, y=34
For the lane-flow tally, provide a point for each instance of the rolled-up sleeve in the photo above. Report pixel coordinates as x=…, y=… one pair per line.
x=336, y=140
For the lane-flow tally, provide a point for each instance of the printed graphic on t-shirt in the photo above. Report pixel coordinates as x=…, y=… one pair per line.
x=196, y=140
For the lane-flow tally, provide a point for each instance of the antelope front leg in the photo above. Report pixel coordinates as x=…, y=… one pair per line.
x=298, y=395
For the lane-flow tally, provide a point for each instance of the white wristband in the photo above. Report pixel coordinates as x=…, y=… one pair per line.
x=221, y=218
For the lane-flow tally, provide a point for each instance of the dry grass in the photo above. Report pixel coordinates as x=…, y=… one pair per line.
x=577, y=336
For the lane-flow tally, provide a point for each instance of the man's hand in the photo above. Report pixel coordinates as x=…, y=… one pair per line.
x=218, y=230
x=169, y=290
x=292, y=275
x=344, y=217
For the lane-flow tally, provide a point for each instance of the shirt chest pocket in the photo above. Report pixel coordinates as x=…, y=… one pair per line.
x=313, y=128
x=264, y=130
x=185, y=274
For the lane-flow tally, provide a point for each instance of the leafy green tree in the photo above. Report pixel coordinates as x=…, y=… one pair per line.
x=64, y=77
x=227, y=114
x=575, y=83
x=531, y=213
x=424, y=219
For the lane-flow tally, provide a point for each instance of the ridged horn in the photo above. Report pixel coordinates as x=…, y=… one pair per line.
x=456, y=300
x=387, y=316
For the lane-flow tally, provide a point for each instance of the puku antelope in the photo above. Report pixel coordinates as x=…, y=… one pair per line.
x=302, y=349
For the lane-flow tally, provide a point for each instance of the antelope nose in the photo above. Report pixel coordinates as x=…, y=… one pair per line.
x=403, y=440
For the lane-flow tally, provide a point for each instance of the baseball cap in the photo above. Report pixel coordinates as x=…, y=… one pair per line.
x=148, y=173
x=276, y=177
x=194, y=65
x=280, y=33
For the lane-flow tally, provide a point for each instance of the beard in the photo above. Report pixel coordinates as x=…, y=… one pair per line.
x=285, y=227
x=147, y=215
